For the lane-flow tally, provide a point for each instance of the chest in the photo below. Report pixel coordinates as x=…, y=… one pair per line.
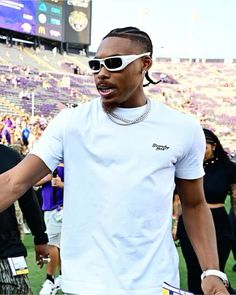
x=144, y=144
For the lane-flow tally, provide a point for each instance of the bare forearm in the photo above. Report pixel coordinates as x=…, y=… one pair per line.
x=201, y=231
x=16, y=181
x=44, y=180
x=8, y=193
x=198, y=222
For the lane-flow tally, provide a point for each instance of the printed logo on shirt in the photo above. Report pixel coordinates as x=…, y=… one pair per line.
x=160, y=147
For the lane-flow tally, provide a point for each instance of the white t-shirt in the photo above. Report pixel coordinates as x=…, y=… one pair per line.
x=118, y=192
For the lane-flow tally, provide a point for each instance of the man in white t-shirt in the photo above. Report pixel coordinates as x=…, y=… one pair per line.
x=123, y=154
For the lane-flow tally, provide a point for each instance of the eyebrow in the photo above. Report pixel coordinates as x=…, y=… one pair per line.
x=116, y=54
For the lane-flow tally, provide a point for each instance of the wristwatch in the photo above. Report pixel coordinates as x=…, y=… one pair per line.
x=217, y=273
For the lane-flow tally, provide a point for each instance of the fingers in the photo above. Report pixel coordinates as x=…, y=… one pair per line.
x=43, y=260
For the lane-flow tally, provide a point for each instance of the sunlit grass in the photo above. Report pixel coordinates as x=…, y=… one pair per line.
x=37, y=275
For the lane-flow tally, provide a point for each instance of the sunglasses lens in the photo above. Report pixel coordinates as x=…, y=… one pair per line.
x=94, y=65
x=113, y=62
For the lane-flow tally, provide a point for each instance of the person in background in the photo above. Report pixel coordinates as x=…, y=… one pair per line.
x=123, y=154
x=219, y=181
x=52, y=205
x=5, y=137
x=13, y=268
x=233, y=224
x=25, y=135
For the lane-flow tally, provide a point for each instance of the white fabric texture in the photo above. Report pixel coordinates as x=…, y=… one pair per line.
x=118, y=192
x=53, y=228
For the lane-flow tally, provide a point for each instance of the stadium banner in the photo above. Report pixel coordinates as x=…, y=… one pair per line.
x=49, y=19
x=18, y=15
x=78, y=21
x=43, y=18
x=61, y=20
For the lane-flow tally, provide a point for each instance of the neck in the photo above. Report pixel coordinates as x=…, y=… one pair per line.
x=120, y=120
x=209, y=158
x=110, y=107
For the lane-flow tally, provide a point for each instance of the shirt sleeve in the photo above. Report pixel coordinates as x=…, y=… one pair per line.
x=232, y=172
x=190, y=165
x=50, y=147
x=33, y=216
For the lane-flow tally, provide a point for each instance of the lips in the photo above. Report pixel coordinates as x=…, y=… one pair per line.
x=105, y=91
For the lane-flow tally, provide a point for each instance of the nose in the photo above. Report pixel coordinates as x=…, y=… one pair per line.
x=103, y=72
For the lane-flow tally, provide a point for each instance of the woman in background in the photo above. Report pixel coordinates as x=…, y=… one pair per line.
x=219, y=181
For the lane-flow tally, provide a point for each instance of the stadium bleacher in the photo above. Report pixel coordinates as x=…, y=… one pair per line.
x=206, y=90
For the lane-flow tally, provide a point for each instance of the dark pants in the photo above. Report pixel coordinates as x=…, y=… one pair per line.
x=224, y=244
x=233, y=223
x=10, y=284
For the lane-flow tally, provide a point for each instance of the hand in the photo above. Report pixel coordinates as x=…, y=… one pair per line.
x=57, y=182
x=41, y=252
x=213, y=285
x=174, y=232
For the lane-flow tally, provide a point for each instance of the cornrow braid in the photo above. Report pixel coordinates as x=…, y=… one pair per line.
x=134, y=34
x=211, y=138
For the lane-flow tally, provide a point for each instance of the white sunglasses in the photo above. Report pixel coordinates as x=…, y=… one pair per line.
x=113, y=63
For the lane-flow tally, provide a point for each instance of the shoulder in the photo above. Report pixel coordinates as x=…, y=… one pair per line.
x=8, y=152
x=9, y=158
x=93, y=104
x=232, y=172
x=170, y=114
x=78, y=112
x=232, y=167
x=229, y=167
x=179, y=124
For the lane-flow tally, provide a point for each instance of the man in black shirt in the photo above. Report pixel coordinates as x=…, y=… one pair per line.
x=13, y=269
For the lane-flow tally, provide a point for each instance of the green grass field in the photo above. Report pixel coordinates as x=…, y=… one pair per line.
x=37, y=275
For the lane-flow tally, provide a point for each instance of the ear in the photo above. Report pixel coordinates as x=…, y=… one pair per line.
x=147, y=63
x=213, y=146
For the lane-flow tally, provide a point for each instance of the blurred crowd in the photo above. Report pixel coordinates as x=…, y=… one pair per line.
x=203, y=88
x=21, y=132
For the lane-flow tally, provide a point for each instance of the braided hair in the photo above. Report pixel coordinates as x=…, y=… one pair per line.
x=134, y=34
x=213, y=139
